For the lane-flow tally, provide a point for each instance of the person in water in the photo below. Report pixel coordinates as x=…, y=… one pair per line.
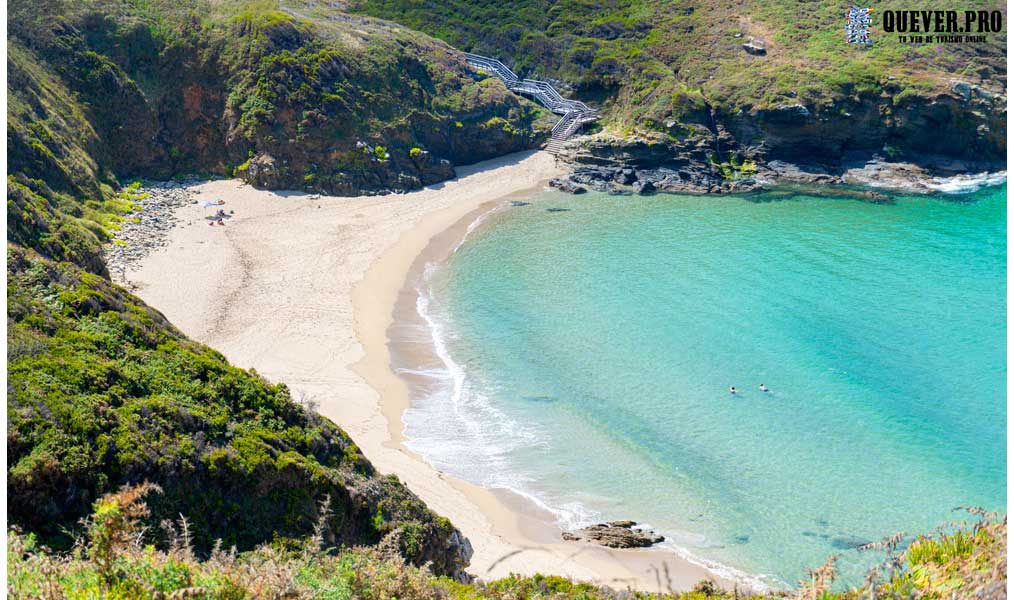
x=763, y=388
x=732, y=389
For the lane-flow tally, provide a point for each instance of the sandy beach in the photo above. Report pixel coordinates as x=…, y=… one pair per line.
x=304, y=290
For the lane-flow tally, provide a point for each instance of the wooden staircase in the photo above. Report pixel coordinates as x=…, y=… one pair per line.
x=574, y=113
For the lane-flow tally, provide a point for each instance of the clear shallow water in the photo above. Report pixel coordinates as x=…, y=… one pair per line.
x=589, y=353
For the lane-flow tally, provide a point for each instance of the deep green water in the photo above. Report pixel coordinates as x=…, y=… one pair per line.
x=590, y=352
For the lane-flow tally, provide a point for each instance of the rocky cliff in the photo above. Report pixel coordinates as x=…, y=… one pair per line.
x=344, y=106
x=102, y=390
x=720, y=83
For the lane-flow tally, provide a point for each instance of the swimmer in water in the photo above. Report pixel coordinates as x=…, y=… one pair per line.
x=763, y=388
x=732, y=389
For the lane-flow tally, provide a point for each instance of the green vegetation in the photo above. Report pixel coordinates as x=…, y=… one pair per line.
x=734, y=168
x=105, y=395
x=115, y=558
x=157, y=88
x=103, y=391
x=651, y=62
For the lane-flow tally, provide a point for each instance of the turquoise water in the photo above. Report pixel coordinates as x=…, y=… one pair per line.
x=589, y=352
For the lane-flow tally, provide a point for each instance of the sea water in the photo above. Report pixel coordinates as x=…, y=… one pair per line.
x=589, y=342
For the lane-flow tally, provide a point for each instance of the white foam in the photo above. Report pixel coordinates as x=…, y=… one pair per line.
x=757, y=583
x=458, y=430
x=473, y=438
x=431, y=373
x=473, y=226
x=966, y=183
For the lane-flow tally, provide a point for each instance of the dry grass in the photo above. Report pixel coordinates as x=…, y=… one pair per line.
x=114, y=561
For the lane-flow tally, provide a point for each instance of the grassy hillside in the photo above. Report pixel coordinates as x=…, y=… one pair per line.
x=103, y=391
x=667, y=69
x=968, y=561
x=160, y=87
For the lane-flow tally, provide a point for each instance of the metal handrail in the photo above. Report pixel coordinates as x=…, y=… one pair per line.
x=575, y=113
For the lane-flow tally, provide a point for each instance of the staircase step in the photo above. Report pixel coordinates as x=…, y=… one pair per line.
x=575, y=113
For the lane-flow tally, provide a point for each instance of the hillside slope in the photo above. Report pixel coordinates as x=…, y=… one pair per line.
x=968, y=561
x=103, y=392
x=677, y=75
x=156, y=88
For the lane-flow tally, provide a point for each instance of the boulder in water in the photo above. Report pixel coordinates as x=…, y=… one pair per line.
x=616, y=534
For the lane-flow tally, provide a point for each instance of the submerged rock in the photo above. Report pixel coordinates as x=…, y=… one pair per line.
x=616, y=534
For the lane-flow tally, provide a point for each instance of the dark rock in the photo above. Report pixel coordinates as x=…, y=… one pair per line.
x=644, y=188
x=267, y=172
x=962, y=89
x=748, y=184
x=590, y=176
x=431, y=169
x=792, y=173
x=982, y=93
x=566, y=185
x=625, y=176
x=755, y=47
x=786, y=114
x=616, y=534
x=816, y=144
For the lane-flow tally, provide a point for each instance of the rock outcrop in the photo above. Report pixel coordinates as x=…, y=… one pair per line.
x=898, y=131
x=616, y=534
x=641, y=166
x=262, y=96
x=565, y=184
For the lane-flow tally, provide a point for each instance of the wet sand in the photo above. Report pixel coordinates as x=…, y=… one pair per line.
x=306, y=290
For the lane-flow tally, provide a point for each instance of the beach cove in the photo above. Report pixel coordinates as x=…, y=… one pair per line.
x=303, y=290
x=587, y=345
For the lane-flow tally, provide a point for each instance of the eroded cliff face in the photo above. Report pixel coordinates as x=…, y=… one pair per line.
x=910, y=134
x=99, y=93
x=966, y=125
x=283, y=102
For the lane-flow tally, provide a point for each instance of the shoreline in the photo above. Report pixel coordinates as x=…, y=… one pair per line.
x=517, y=520
x=303, y=289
